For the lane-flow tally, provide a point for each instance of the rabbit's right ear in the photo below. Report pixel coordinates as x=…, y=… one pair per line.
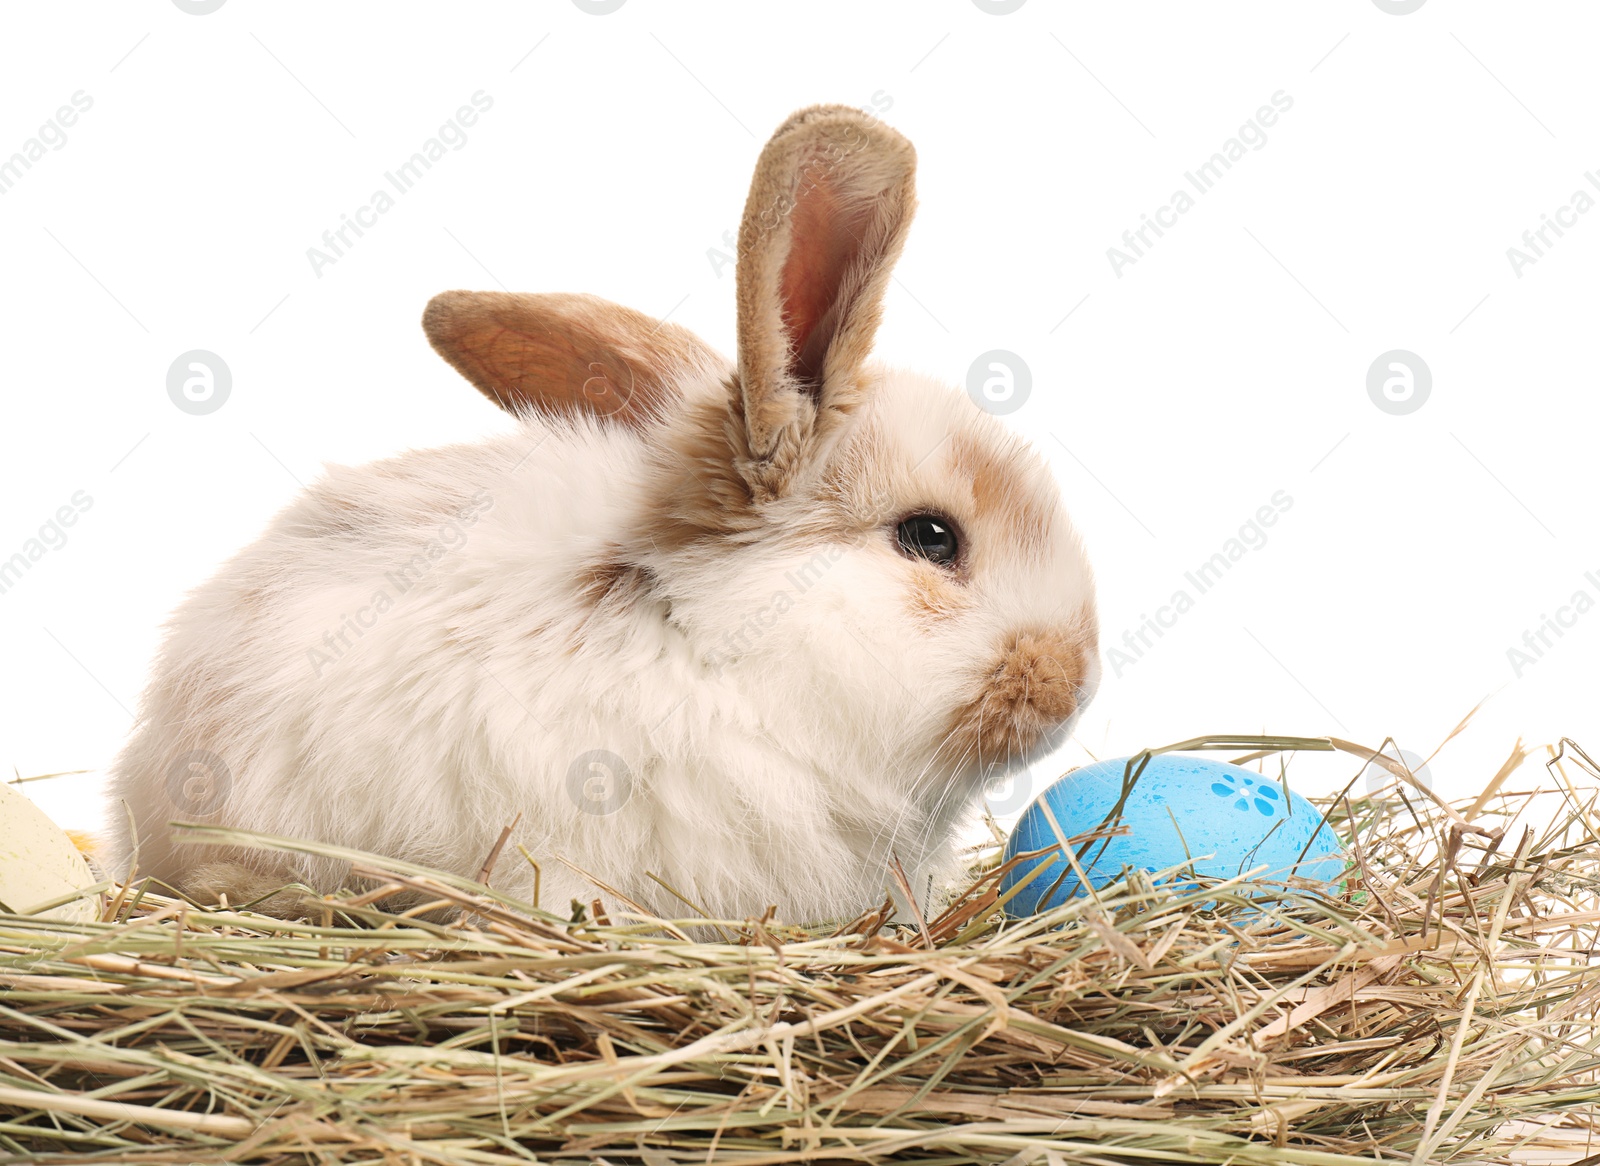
x=566, y=355
x=827, y=214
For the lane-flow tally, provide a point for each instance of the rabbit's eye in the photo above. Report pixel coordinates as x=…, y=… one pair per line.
x=927, y=536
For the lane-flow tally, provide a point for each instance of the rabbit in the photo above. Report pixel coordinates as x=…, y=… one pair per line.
x=713, y=635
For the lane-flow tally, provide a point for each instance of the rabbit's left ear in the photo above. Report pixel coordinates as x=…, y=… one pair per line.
x=565, y=354
x=827, y=214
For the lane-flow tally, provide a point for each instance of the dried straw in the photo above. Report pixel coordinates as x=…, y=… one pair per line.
x=1441, y=1007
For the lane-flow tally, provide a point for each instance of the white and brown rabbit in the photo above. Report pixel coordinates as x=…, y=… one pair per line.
x=753, y=627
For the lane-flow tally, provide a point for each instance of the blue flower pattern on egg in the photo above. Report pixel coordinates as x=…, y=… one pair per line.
x=1246, y=788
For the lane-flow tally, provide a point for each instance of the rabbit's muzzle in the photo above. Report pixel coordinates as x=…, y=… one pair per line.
x=1033, y=689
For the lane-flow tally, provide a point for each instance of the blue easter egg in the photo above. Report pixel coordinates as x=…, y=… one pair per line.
x=1225, y=818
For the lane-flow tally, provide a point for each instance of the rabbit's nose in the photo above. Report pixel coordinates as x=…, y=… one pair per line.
x=1039, y=677
x=1035, y=684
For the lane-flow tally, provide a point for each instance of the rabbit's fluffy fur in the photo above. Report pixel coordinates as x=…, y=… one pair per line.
x=675, y=635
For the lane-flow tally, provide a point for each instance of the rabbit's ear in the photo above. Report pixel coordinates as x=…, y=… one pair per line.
x=827, y=214
x=565, y=354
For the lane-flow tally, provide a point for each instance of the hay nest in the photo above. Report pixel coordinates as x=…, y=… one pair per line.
x=1440, y=1006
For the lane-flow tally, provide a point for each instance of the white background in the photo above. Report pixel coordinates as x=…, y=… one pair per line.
x=1227, y=364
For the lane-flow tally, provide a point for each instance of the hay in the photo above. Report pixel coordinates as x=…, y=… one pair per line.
x=1441, y=1007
